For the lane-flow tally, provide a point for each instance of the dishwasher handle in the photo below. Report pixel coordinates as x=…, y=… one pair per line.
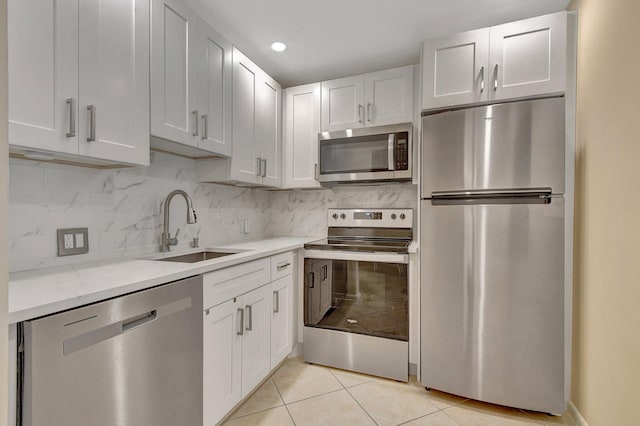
x=139, y=320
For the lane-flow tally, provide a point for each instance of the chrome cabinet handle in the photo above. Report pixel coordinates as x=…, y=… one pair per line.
x=312, y=280
x=205, y=127
x=264, y=167
x=240, y=330
x=71, y=103
x=360, y=108
x=315, y=171
x=249, y=318
x=482, y=79
x=196, y=123
x=282, y=266
x=369, y=111
x=325, y=272
x=276, y=302
x=259, y=168
x=495, y=81
x=92, y=123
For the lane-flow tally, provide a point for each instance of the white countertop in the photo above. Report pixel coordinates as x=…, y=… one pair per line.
x=45, y=291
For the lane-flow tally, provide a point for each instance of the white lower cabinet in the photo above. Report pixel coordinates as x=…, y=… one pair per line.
x=248, y=324
x=281, y=319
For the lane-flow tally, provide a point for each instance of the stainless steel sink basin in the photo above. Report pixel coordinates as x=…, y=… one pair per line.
x=197, y=257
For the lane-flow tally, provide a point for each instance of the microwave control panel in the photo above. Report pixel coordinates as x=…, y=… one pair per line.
x=401, y=148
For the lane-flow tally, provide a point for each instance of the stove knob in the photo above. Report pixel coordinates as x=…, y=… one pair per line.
x=343, y=216
x=402, y=216
x=393, y=216
x=335, y=216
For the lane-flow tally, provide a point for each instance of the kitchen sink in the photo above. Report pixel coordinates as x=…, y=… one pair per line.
x=199, y=256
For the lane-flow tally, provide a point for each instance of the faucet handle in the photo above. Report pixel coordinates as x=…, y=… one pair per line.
x=175, y=237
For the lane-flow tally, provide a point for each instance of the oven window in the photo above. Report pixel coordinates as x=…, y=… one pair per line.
x=358, y=297
x=353, y=155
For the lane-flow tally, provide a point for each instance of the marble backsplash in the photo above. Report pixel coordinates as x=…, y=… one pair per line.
x=122, y=209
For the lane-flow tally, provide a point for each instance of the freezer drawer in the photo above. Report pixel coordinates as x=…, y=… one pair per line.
x=492, y=301
x=518, y=145
x=133, y=360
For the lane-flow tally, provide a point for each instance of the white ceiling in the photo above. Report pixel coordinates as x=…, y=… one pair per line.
x=337, y=38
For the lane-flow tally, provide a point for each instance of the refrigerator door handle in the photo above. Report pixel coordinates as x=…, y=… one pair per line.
x=491, y=193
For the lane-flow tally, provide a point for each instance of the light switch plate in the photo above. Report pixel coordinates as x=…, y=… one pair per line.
x=73, y=241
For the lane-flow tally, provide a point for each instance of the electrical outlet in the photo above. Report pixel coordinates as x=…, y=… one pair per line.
x=68, y=241
x=73, y=241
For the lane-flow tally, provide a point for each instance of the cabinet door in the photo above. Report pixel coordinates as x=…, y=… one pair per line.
x=343, y=103
x=222, y=360
x=215, y=91
x=389, y=96
x=114, y=80
x=244, y=161
x=302, y=125
x=174, y=64
x=256, y=341
x=529, y=57
x=454, y=69
x=267, y=129
x=281, y=319
x=43, y=74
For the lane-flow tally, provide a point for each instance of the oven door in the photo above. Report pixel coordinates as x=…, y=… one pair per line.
x=360, y=293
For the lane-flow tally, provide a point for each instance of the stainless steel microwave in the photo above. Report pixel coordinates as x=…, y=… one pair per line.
x=381, y=153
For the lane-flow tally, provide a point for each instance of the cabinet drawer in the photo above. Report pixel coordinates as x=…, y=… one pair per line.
x=225, y=284
x=281, y=265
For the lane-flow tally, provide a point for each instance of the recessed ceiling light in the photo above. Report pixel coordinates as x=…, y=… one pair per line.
x=278, y=46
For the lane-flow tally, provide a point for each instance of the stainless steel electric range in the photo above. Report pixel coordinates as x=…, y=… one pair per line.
x=356, y=292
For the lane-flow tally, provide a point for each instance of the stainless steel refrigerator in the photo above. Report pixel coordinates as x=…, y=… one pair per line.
x=494, y=314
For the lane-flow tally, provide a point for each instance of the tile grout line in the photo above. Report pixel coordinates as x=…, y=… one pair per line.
x=283, y=402
x=360, y=405
x=353, y=397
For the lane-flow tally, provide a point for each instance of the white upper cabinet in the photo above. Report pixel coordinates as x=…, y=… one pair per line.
x=529, y=57
x=245, y=161
x=79, y=79
x=343, y=103
x=389, y=96
x=509, y=61
x=190, y=83
x=455, y=70
x=268, y=129
x=114, y=80
x=256, y=119
x=302, y=125
x=174, y=72
x=215, y=94
x=383, y=97
x=43, y=75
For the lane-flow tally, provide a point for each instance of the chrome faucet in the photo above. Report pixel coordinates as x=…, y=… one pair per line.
x=167, y=241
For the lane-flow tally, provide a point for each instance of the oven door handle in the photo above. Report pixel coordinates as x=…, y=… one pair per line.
x=360, y=256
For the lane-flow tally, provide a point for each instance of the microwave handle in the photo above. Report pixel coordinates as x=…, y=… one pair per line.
x=391, y=151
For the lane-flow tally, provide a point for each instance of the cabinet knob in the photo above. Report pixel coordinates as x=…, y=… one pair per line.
x=335, y=216
x=402, y=216
x=393, y=216
x=343, y=216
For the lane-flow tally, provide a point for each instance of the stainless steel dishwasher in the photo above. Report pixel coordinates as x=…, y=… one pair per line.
x=135, y=360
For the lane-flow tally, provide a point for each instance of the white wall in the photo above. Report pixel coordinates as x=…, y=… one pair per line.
x=121, y=208
x=4, y=184
x=304, y=212
x=606, y=338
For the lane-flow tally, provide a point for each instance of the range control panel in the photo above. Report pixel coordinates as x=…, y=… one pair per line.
x=371, y=218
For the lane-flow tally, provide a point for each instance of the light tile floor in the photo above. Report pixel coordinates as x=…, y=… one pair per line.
x=303, y=394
